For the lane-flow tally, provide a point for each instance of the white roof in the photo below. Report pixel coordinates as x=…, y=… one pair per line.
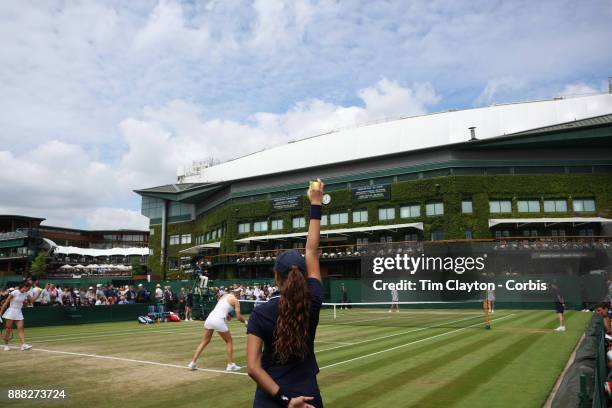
x=196, y=249
x=70, y=250
x=571, y=220
x=404, y=135
x=340, y=231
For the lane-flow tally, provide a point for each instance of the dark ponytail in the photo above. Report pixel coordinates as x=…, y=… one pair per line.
x=291, y=332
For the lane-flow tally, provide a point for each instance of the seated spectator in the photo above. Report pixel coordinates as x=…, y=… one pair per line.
x=602, y=310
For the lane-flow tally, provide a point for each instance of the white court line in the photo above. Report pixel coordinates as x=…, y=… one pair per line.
x=360, y=321
x=411, y=343
x=113, y=334
x=333, y=342
x=133, y=361
x=397, y=334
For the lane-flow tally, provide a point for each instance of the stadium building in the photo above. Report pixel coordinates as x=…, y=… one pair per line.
x=69, y=251
x=531, y=169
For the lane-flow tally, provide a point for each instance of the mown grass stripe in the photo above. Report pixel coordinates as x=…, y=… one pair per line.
x=453, y=391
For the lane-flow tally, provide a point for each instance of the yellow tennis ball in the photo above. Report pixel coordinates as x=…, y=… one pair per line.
x=314, y=185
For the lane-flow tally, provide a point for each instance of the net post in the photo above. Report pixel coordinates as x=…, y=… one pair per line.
x=334, y=311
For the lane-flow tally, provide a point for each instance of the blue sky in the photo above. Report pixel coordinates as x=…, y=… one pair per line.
x=100, y=98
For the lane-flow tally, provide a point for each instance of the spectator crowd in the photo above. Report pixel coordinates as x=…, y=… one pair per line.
x=52, y=295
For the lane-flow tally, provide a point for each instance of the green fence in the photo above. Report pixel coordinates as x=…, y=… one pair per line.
x=601, y=370
x=59, y=315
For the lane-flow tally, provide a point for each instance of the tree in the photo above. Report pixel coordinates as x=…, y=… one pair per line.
x=136, y=266
x=39, y=264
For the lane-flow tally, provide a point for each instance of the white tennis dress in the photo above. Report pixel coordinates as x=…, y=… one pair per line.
x=13, y=312
x=490, y=295
x=216, y=318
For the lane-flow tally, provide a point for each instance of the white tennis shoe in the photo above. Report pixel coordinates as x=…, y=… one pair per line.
x=560, y=329
x=7, y=348
x=192, y=366
x=232, y=367
x=25, y=347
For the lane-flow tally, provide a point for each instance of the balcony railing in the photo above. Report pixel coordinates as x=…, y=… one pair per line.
x=354, y=251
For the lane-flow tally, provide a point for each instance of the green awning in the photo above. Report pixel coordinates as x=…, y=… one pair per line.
x=12, y=243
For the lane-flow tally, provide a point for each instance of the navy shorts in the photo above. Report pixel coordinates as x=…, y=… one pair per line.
x=559, y=307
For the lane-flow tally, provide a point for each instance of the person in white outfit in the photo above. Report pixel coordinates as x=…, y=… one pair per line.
x=217, y=322
x=491, y=300
x=13, y=305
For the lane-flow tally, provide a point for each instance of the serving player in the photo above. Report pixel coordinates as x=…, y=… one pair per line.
x=217, y=322
x=13, y=305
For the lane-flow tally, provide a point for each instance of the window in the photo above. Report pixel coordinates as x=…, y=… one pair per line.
x=502, y=234
x=151, y=251
x=260, y=226
x=555, y=206
x=410, y=211
x=588, y=232
x=362, y=243
x=219, y=232
x=186, y=239
x=338, y=218
x=277, y=224
x=298, y=222
x=434, y=209
x=437, y=235
x=324, y=220
x=584, y=205
x=468, y=234
x=500, y=206
x=173, y=263
x=557, y=233
x=386, y=213
x=244, y=227
x=152, y=207
x=388, y=239
x=176, y=209
x=411, y=237
x=152, y=231
x=466, y=207
x=528, y=206
x=360, y=216
x=174, y=239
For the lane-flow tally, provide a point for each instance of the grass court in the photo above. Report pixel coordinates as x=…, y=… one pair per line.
x=368, y=358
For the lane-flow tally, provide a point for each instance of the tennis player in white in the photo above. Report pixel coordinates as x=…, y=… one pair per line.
x=217, y=322
x=13, y=305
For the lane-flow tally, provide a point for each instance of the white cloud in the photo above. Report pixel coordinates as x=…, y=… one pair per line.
x=116, y=218
x=499, y=87
x=389, y=99
x=581, y=88
x=166, y=27
x=69, y=180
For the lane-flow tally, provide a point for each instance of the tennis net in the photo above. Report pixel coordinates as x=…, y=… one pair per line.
x=396, y=314
x=404, y=314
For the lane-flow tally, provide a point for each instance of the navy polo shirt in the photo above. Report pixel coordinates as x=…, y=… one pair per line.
x=298, y=376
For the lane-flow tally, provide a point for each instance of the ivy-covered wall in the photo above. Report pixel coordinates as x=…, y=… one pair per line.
x=451, y=190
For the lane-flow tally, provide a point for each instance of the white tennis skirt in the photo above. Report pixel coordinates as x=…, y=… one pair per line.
x=215, y=323
x=13, y=314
